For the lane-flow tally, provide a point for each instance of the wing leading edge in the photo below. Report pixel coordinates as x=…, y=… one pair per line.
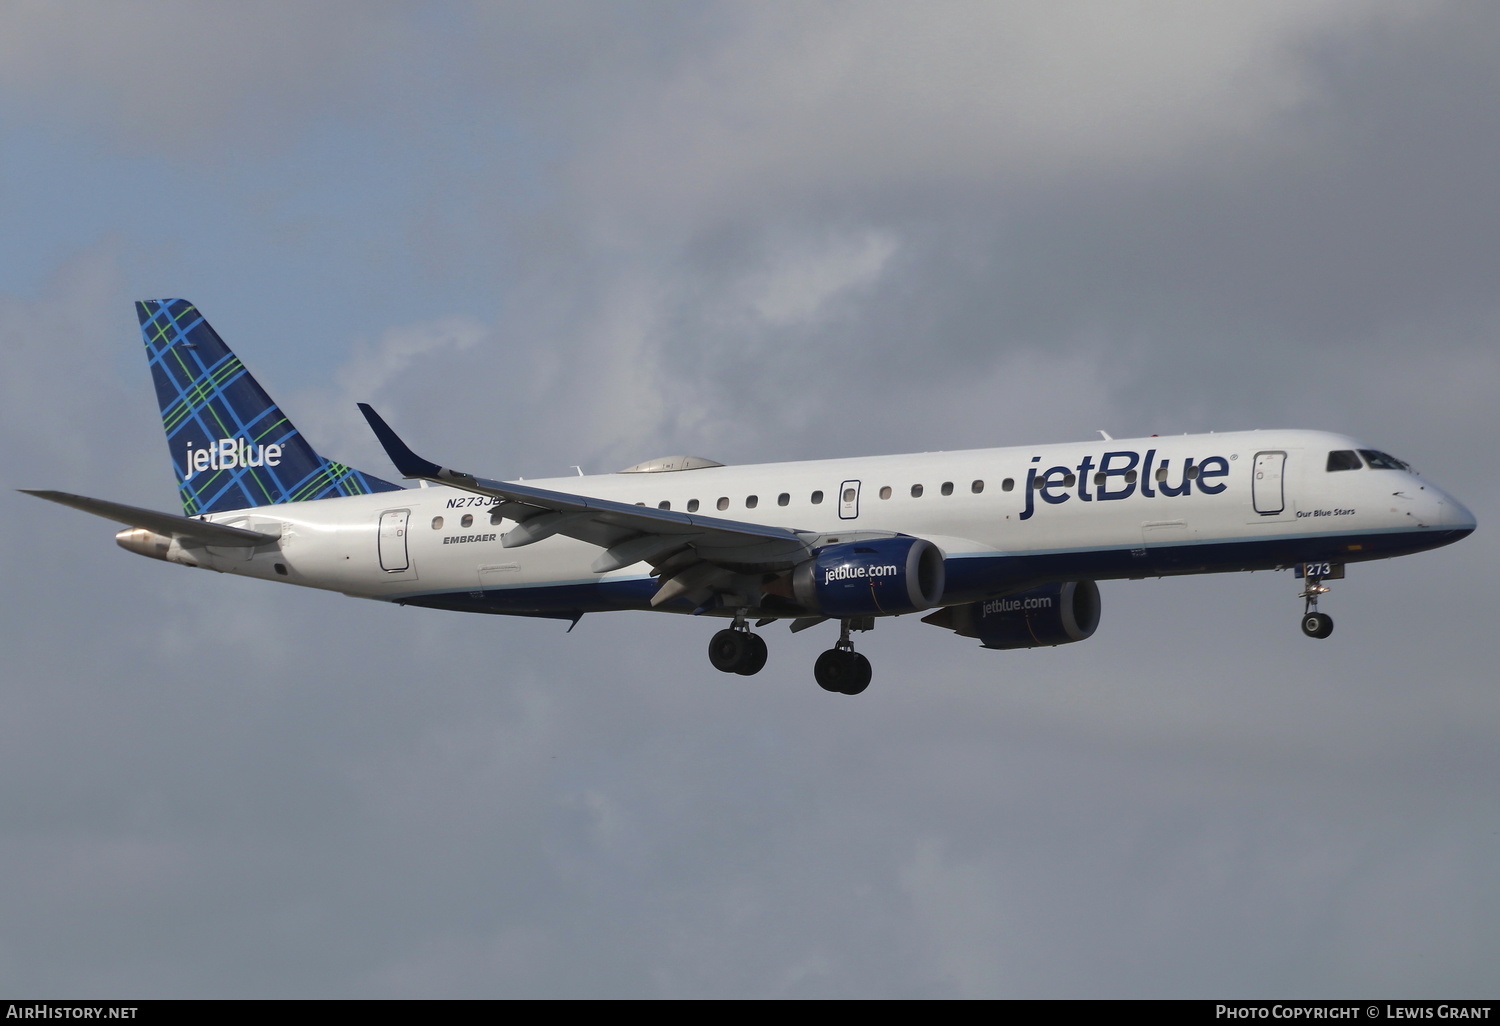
x=695, y=557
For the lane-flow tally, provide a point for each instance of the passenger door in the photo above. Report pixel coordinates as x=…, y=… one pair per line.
x=1268, y=487
x=393, y=554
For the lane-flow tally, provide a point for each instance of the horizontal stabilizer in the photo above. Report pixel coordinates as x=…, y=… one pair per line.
x=161, y=523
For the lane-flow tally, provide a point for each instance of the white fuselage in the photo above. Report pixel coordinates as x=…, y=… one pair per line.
x=1003, y=518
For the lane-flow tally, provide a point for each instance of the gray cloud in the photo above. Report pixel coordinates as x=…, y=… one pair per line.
x=590, y=235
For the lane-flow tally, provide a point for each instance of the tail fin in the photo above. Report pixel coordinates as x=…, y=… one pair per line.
x=231, y=445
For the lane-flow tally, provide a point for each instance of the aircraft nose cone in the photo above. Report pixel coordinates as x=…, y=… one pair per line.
x=1447, y=514
x=1454, y=514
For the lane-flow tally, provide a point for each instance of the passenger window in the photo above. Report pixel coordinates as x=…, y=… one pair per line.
x=1070, y=481
x=751, y=501
x=724, y=502
x=885, y=493
x=664, y=504
x=916, y=491
x=1130, y=477
x=947, y=488
x=1098, y=479
x=1192, y=473
x=849, y=494
x=692, y=506
x=1344, y=459
x=1161, y=473
x=495, y=518
x=467, y=521
x=437, y=523
x=817, y=497
x=783, y=499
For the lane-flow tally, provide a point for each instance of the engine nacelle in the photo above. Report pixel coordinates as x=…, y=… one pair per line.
x=1054, y=614
x=871, y=578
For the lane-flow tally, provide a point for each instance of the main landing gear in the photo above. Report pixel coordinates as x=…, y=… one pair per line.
x=1314, y=623
x=840, y=669
x=736, y=650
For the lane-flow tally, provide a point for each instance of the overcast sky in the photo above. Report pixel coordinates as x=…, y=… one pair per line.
x=545, y=235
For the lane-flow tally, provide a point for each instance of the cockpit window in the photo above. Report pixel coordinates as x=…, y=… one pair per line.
x=1344, y=459
x=1381, y=461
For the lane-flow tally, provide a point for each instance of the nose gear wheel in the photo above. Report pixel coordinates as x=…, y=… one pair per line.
x=1314, y=623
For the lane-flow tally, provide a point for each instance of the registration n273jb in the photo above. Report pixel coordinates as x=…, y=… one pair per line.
x=1001, y=545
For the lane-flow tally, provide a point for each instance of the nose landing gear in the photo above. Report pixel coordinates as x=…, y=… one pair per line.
x=1314, y=623
x=1317, y=625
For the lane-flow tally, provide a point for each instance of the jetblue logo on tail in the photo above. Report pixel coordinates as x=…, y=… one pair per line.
x=213, y=409
x=230, y=454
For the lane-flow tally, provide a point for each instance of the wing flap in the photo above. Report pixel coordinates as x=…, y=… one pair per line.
x=643, y=548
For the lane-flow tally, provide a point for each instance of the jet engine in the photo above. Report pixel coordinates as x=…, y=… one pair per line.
x=1053, y=614
x=871, y=578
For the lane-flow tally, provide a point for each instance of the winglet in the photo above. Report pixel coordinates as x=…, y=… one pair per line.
x=407, y=462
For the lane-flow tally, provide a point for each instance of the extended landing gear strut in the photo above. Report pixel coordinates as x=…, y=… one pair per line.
x=736, y=650
x=841, y=669
x=1314, y=623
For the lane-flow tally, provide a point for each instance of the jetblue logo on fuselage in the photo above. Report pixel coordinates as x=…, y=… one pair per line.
x=230, y=454
x=1118, y=475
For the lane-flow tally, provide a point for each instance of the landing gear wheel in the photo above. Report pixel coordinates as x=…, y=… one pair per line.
x=754, y=658
x=727, y=650
x=830, y=670
x=1317, y=625
x=1314, y=623
x=736, y=651
x=842, y=671
x=859, y=678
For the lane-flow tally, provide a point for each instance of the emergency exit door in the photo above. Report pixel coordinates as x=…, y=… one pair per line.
x=848, y=500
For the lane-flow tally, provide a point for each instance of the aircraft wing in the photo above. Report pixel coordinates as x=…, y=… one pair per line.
x=162, y=523
x=694, y=555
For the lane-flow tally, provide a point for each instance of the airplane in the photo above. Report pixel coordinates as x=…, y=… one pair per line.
x=1004, y=546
